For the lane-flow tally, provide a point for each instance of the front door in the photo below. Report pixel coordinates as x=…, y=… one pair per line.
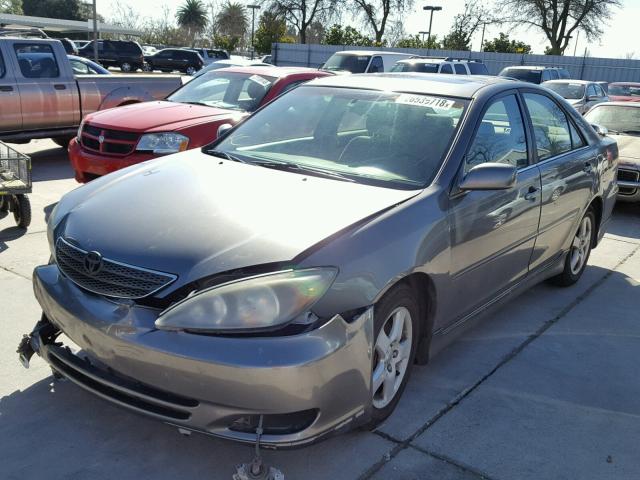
x=566, y=164
x=493, y=232
x=10, y=113
x=47, y=96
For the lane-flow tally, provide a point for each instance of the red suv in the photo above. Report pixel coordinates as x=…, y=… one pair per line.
x=112, y=139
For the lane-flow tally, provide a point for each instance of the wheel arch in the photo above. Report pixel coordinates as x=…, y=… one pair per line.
x=596, y=205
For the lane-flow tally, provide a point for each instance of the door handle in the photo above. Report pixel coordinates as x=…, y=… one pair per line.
x=588, y=168
x=6, y=88
x=60, y=86
x=532, y=194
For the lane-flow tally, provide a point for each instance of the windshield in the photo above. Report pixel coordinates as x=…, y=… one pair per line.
x=531, y=76
x=624, y=90
x=617, y=118
x=363, y=135
x=349, y=62
x=415, y=67
x=235, y=91
x=570, y=91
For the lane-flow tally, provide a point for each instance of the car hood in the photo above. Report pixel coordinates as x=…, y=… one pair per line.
x=194, y=215
x=158, y=116
x=628, y=147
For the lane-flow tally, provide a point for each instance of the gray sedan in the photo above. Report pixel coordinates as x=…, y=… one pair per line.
x=581, y=94
x=292, y=273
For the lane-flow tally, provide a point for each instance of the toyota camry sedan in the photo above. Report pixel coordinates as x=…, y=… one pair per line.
x=291, y=274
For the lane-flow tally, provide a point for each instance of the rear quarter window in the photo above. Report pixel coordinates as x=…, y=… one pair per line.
x=478, y=68
x=460, y=70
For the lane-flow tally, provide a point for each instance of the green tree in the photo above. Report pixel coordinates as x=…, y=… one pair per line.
x=13, y=7
x=336, y=35
x=232, y=21
x=465, y=24
x=271, y=29
x=502, y=44
x=560, y=19
x=192, y=16
x=302, y=14
x=416, y=42
x=226, y=42
x=64, y=9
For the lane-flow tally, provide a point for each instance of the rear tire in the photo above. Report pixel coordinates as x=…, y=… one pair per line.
x=4, y=203
x=190, y=70
x=147, y=68
x=22, y=210
x=396, y=334
x=126, y=67
x=578, y=255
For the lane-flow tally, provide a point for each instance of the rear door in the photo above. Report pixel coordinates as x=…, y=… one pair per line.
x=567, y=166
x=493, y=231
x=48, y=92
x=10, y=112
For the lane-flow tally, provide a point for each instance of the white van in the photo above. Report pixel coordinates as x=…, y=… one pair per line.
x=363, y=61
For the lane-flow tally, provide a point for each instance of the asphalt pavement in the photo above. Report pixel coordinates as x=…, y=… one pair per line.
x=545, y=388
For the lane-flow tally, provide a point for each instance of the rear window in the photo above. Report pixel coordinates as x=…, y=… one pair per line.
x=128, y=47
x=36, y=60
x=2, y=69
x=570, y=91
x=460, y=70
x=415, y=67
x=531, y=76
x=477, y=68
x=624, y=90
x=564, y=73
x=349, y=62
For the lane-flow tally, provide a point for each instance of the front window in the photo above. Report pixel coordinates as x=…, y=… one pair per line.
x=392, y=139
x=531, y=76
x=349, y=62
x=570, y=91
x=618, y=119
x=235, y=91
x=624, y=90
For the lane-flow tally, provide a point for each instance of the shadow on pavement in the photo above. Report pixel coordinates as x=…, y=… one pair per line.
x=8, y=234
x=50, y=164
x=626, y=220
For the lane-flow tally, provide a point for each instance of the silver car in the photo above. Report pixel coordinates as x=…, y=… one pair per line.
x=622, y=123
x=294, y=271
x=581, y=94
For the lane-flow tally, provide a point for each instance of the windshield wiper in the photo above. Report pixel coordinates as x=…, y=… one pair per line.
x=196, y=103
x=295, y=167
x=225, y=155
x=631, y=132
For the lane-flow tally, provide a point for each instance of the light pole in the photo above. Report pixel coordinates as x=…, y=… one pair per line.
x=484, y=24
x=575, y=47
x=432, y=9
x=423, y=34
x=95, y=32
x=253, y=22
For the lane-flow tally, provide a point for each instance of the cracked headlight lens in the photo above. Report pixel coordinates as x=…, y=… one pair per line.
x=261, y=302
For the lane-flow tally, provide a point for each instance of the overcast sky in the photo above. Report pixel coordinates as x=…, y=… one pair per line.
x=620, y=36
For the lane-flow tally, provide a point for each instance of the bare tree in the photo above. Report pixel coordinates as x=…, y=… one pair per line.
x=630, y=55
x=302, y=13
x=559, y=19
x=465, y=24
x=376, y=13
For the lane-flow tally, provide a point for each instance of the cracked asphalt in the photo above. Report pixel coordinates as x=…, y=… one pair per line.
x=546, y=387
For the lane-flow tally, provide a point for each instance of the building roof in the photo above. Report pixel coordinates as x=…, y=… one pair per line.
x=60, y=25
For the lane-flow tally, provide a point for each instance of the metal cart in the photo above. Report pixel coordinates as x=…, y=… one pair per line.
x=15, y=183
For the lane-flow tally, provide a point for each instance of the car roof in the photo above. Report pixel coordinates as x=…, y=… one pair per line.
x=617, y=104
x=272, y=71
x=371, y=52
x=464, y=86
x=532, y=67
x=423, y=60
x=630, y=84
x=569, y=80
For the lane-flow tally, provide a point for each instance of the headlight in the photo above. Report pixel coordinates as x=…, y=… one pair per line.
x=161, y=143
x=259, y=302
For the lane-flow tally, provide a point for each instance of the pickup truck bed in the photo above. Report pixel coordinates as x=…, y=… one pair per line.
x=40, y=97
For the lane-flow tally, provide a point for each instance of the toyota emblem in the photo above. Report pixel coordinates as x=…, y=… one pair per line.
x=93, y=263
x=101, y=139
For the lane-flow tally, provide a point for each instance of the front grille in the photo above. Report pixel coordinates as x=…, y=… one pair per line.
x=114, y=279
x=628, y=176
x=115, y=142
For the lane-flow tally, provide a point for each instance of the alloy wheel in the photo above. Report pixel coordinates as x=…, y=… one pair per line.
x=391, y=356
x=125, y=67
x=581, y=245
x=191, y=70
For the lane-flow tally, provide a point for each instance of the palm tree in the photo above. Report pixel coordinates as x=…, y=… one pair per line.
x=232, y=20
x=192, y=15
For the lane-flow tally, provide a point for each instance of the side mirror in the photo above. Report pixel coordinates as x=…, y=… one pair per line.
x=224, y=128
x=600, y=130
x=489, y=176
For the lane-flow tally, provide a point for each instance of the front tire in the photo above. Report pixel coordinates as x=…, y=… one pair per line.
x=126, y=67
x=147, y=68
x=579, y=252
x=397, y=330
x=191, y=70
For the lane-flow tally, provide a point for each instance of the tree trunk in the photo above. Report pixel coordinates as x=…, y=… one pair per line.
x=303, y=35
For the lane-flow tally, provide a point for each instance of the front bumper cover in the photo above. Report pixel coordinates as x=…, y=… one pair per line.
x=200, y=382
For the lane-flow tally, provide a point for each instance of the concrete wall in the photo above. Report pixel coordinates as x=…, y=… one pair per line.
x=588, y=68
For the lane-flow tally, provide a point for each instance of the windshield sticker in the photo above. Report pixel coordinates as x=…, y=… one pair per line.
x=424, y=101
x=260, y=80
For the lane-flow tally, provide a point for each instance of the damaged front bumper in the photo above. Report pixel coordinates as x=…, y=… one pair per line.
x=306, y=386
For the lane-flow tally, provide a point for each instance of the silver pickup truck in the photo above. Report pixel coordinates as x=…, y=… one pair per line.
x=40, y=97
